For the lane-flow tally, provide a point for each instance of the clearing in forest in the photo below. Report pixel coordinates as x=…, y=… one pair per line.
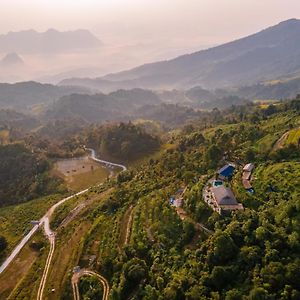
x=80, y=172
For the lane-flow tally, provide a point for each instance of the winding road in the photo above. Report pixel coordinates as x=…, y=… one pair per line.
x=43, y=221
x=93, y=156
x=49, y=233
x=85, y=272
x=51, y=236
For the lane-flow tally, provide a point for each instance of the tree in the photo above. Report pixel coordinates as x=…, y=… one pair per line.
x=222, y=248
x=258, y=293
x=220, y=277
x=233, y=295
x=249, y=154
x=189, y=232
x=90, y=288
x=214, y=154
x=3, y=243
x=135, y=270
x=188, y=176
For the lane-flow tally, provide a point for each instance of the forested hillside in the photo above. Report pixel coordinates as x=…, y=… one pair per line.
x=251, y=253
x=148, y=249
x=12, y=119
x=23, y=175
x=129, y=231
x=122, y=141
x=100, y=108
x=24, y=96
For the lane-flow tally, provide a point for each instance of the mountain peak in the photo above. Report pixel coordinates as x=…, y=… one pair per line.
x=51, y=30
x=50, y=41
x=286, y=25
x=12, y=59
x=290, y=21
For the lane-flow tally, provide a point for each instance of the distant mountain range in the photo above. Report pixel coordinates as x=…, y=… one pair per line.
x=24, y=95
x=270, y=54
x=51, y=41
x=71, y=102
x=99, y=108
x=122, y=105
x=161, y=105
x=198, y=97
x=10, y=118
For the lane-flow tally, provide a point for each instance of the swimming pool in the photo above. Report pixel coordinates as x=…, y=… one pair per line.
x=217, y=182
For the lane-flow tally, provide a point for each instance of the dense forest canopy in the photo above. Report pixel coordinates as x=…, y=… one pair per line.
x=124, y=141
x=23, y=175
x=248, y=254
x=252, y=254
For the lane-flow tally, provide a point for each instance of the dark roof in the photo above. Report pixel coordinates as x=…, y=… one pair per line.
x=224, y=196
x=227, y=170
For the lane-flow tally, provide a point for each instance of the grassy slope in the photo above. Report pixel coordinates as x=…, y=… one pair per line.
x=23, y=213
x=84, y=180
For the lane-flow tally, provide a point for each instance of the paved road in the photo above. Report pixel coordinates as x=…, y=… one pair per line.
x=85, y=272
x=93, y=156
x=18, y=248
x=45, y=220
x=51, y=235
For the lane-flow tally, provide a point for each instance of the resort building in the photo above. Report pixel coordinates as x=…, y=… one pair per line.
x=248, y=167
x=246, y=177
x=224, y=199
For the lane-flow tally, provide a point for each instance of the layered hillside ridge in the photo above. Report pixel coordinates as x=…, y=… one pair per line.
x=268, y=54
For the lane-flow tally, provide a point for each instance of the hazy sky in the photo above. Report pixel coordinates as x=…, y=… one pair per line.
x=140, y=31
x=197, y=21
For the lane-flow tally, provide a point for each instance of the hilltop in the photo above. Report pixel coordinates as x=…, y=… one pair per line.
x=23, y=96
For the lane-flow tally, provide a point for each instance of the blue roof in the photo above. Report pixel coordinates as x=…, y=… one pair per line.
x=227, y=170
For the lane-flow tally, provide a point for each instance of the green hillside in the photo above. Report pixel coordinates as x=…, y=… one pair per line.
x=127, y=231
x=23, y=175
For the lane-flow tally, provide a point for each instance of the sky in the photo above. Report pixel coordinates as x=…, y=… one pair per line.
x=206, y=21
x=141, y=31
